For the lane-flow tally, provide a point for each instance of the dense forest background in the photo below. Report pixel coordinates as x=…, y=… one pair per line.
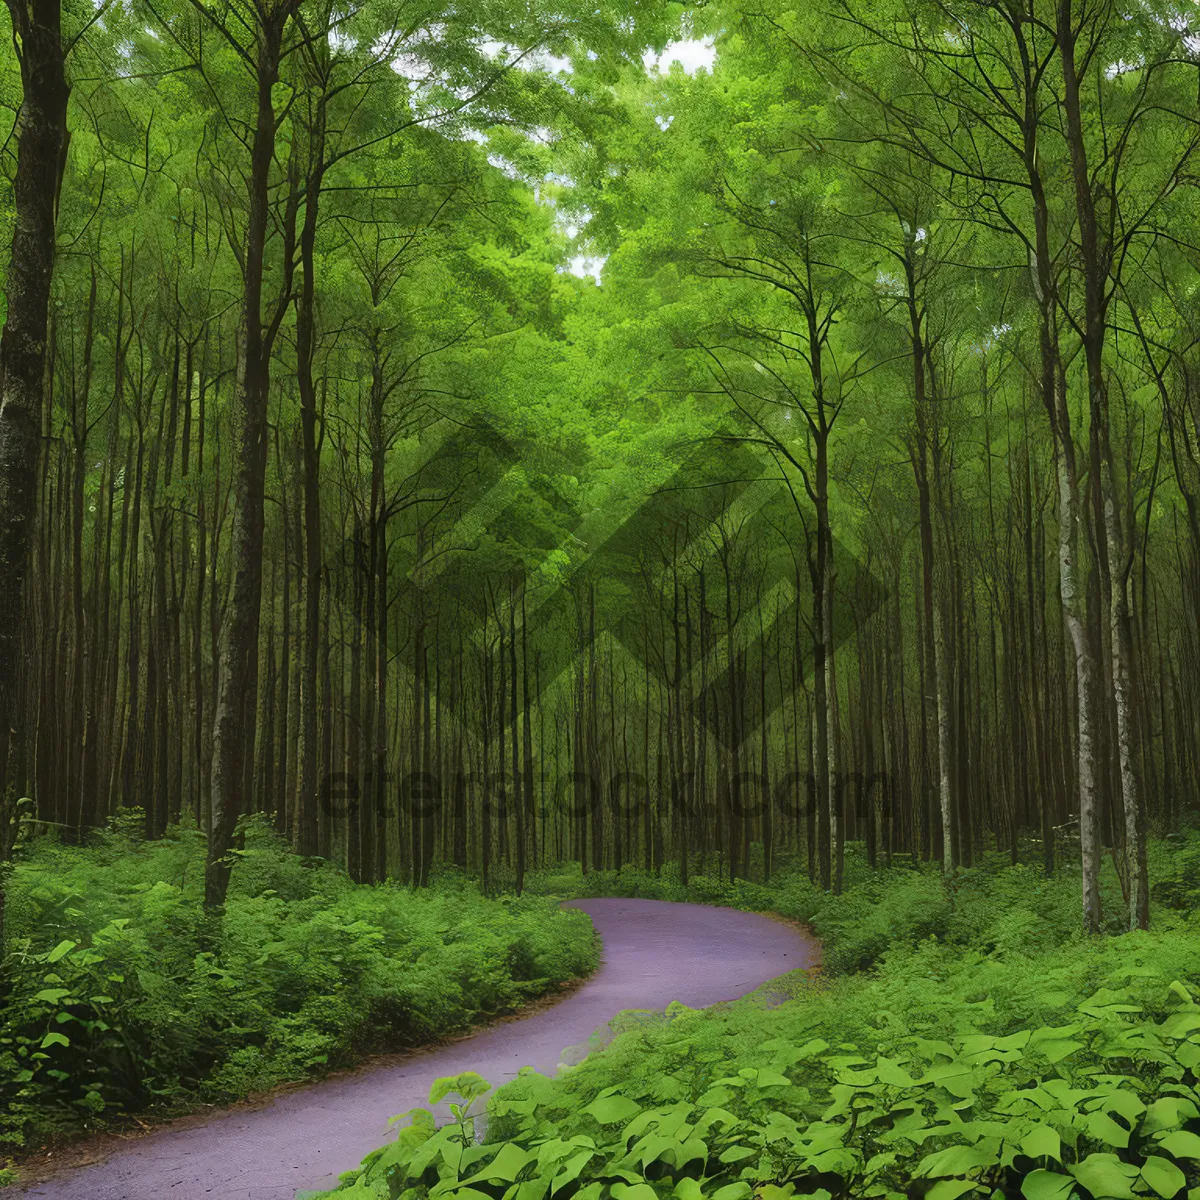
x=468, y=437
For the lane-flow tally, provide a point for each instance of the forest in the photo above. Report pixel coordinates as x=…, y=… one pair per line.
x=469, y=464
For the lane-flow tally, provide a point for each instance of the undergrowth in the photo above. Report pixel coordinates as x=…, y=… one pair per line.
x=121, y=996
x=965, y=1040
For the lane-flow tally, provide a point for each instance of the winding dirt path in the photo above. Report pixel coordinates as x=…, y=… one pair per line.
x=654, y=953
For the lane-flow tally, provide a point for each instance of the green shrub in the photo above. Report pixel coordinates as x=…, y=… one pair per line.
x=1104, y=1105
x=120, y=997
x=965, y=1040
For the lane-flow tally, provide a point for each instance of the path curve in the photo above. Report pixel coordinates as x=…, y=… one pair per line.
x=654, y=952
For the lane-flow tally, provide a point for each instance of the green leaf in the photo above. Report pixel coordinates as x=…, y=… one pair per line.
x=811, y=1047
x=1056, y=1050
x=530, y=1189
x=418, y=1117
x=893, y=1074
x=737, y=1153
x=717, y=1116
x=610, y=1110
x=766, y=1191
x=469, y=1193
x=1188, y=1055
x=732, y=1191
x=1107, y=1002
x=953, y=1076
x=1055, y=1042
x=1042, y=1141
x=1046, y=1185
x=957, y=1160
x=470, y=1085
x=1015, y=1041
x=1124, y=1102
x=1179, y=1025
x=52, y=995
x=1181, y=1144
x=1106, y=1175
x=571, y=1169
x=64, y=947
x=1168, y=1112
x=1104, y=1129
x=507, y=1164
x=1163, y=1176
x=633, y=1191
x=766, y=1078
x=55, y=1039
x=950, y=1189
x=1180, y=992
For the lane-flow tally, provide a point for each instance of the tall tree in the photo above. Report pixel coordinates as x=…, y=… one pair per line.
x=26, y=342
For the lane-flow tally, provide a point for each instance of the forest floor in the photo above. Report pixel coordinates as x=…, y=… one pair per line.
x=654, y=953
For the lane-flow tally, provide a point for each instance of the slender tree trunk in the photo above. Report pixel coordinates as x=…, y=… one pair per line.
x=233, y=733
x=935, y=704
x=41, y=136
x=307, y=799
x=1095, y=279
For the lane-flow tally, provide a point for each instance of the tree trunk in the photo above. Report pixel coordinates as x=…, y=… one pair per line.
x=233, y=734
x=1095, y=280
x=41, y=136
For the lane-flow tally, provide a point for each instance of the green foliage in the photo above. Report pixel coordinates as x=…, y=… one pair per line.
x=992, y=907
x=862, y=924
x=1106, y=1102
x=120, y=997
x=1180, y=889
x=992, y=1050
x=791, y=894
